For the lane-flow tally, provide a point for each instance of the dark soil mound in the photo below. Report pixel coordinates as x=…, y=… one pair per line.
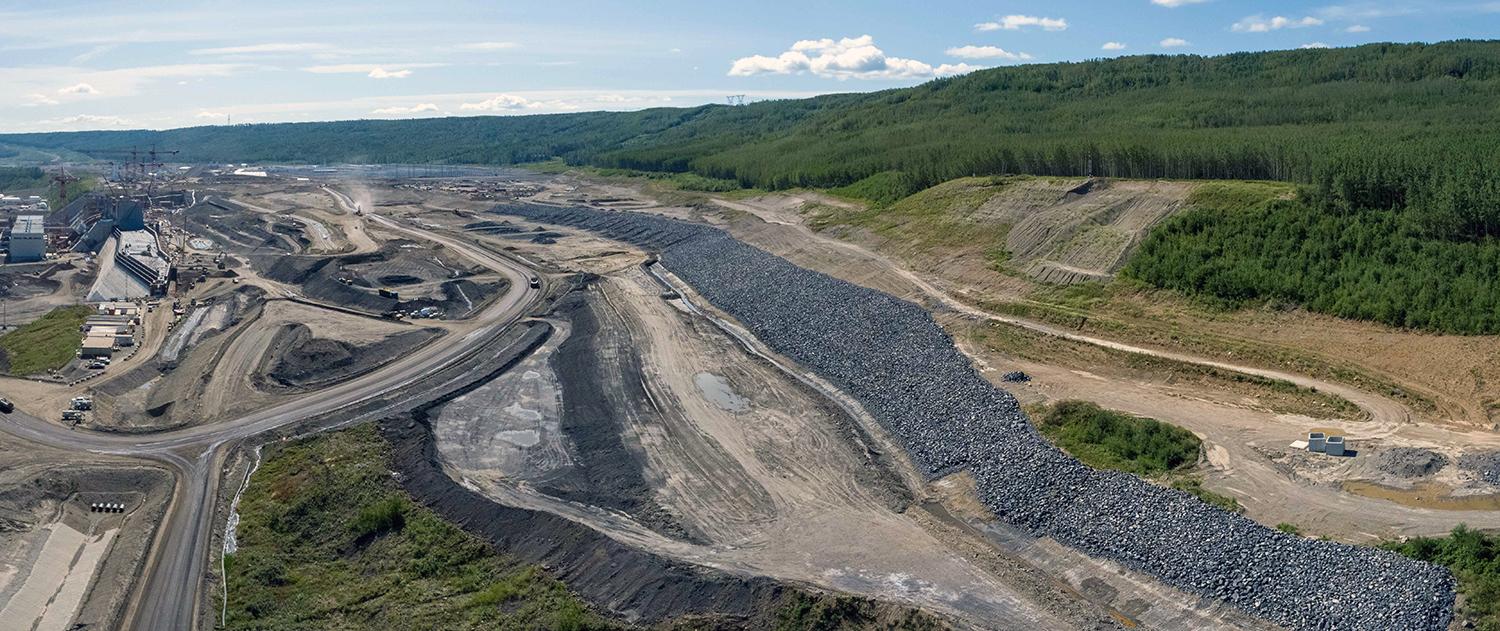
x=298, y=361
x=399, y=279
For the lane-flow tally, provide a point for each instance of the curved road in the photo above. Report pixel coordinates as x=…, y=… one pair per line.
x=167, y=595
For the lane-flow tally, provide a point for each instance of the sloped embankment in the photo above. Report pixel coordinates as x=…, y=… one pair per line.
x=1057, y=230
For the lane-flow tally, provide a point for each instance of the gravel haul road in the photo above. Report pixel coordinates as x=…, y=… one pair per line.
x=896, y=361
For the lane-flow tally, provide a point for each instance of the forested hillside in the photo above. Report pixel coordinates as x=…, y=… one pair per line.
x=1285, y=115
x=1396, y=147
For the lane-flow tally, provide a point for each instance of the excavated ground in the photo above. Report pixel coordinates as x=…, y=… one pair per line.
x=61, y=565
x=422, y=275
x=649, y=426
x=237, y=353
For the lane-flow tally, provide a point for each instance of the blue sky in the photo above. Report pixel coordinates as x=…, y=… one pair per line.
x=67, y=64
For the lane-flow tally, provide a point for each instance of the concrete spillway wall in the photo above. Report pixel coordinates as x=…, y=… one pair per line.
x=905, y=371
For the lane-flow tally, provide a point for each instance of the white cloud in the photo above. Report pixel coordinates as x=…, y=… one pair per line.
x=986, y=52
x=87, y=120
x=1113, y=46
x=35, y=99
x=488, y=46
x=72, y=84
x=1018, y=22
x=263, y=49
x=1367, y=10
x=413, y=109
x=382, y=73
x=503, y=103
x=1172, y=4
x=373, y=71
x=847, y=58
x=1260, y=24
x=1315, y=45
x=79, y=89
x=1174, y=42
x=1357, y=28
x=91, y=53
x=205, y=114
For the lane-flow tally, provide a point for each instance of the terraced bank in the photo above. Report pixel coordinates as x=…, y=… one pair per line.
x=904, y=369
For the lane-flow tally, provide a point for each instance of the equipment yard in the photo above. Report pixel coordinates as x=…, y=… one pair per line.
x=726, y=397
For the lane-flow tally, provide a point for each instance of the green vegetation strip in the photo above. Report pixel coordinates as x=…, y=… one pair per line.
x=46, y=343
x=1106, y=439
x=327, y=541
x=1474, y=558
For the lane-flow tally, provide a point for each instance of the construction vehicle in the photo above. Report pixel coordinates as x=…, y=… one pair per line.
x=536, y=283
x=6, y=406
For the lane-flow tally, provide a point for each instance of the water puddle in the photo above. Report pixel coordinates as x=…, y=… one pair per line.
x=1432, y=495
x=717, y=390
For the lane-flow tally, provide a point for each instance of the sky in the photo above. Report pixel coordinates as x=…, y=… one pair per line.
x=71, y=65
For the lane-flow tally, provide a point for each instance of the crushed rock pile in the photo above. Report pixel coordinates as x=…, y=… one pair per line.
x=1409, y=462
x=903, y=368
x=1485, y=464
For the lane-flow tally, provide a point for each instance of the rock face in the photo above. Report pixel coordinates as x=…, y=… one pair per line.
x=904, y=369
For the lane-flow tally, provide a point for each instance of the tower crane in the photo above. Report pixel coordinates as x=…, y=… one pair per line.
x=63, y=178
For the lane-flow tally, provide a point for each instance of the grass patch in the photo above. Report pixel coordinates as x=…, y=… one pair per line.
x=47, y=343
x=803, y=612
x=327, y=541
x=1194, y=486
x=881, y=189
x=1474, y=558
x=1239, y=195
x=937, y=218
x=1105, y=439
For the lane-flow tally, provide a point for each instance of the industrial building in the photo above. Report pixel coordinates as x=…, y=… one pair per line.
x=28, y=239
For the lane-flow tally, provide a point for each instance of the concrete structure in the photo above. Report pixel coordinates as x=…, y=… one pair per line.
x=1316, y=441
x=28, y=239
x=131, y=265
x=1334, y=446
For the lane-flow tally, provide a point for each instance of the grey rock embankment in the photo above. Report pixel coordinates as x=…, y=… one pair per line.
x=894, y=359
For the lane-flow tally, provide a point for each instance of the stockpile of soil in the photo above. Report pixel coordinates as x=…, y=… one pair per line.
x=355, y=280
x=1409, y=462
x=232, y=227
x=318, y=276
x=298, y=361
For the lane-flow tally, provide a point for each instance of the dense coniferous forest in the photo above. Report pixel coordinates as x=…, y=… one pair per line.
x=1395, y=145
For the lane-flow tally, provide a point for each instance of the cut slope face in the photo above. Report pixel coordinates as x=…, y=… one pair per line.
x=1066, y=231
x=1058, y=230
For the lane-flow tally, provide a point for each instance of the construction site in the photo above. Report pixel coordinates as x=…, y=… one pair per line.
x=727, y=397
